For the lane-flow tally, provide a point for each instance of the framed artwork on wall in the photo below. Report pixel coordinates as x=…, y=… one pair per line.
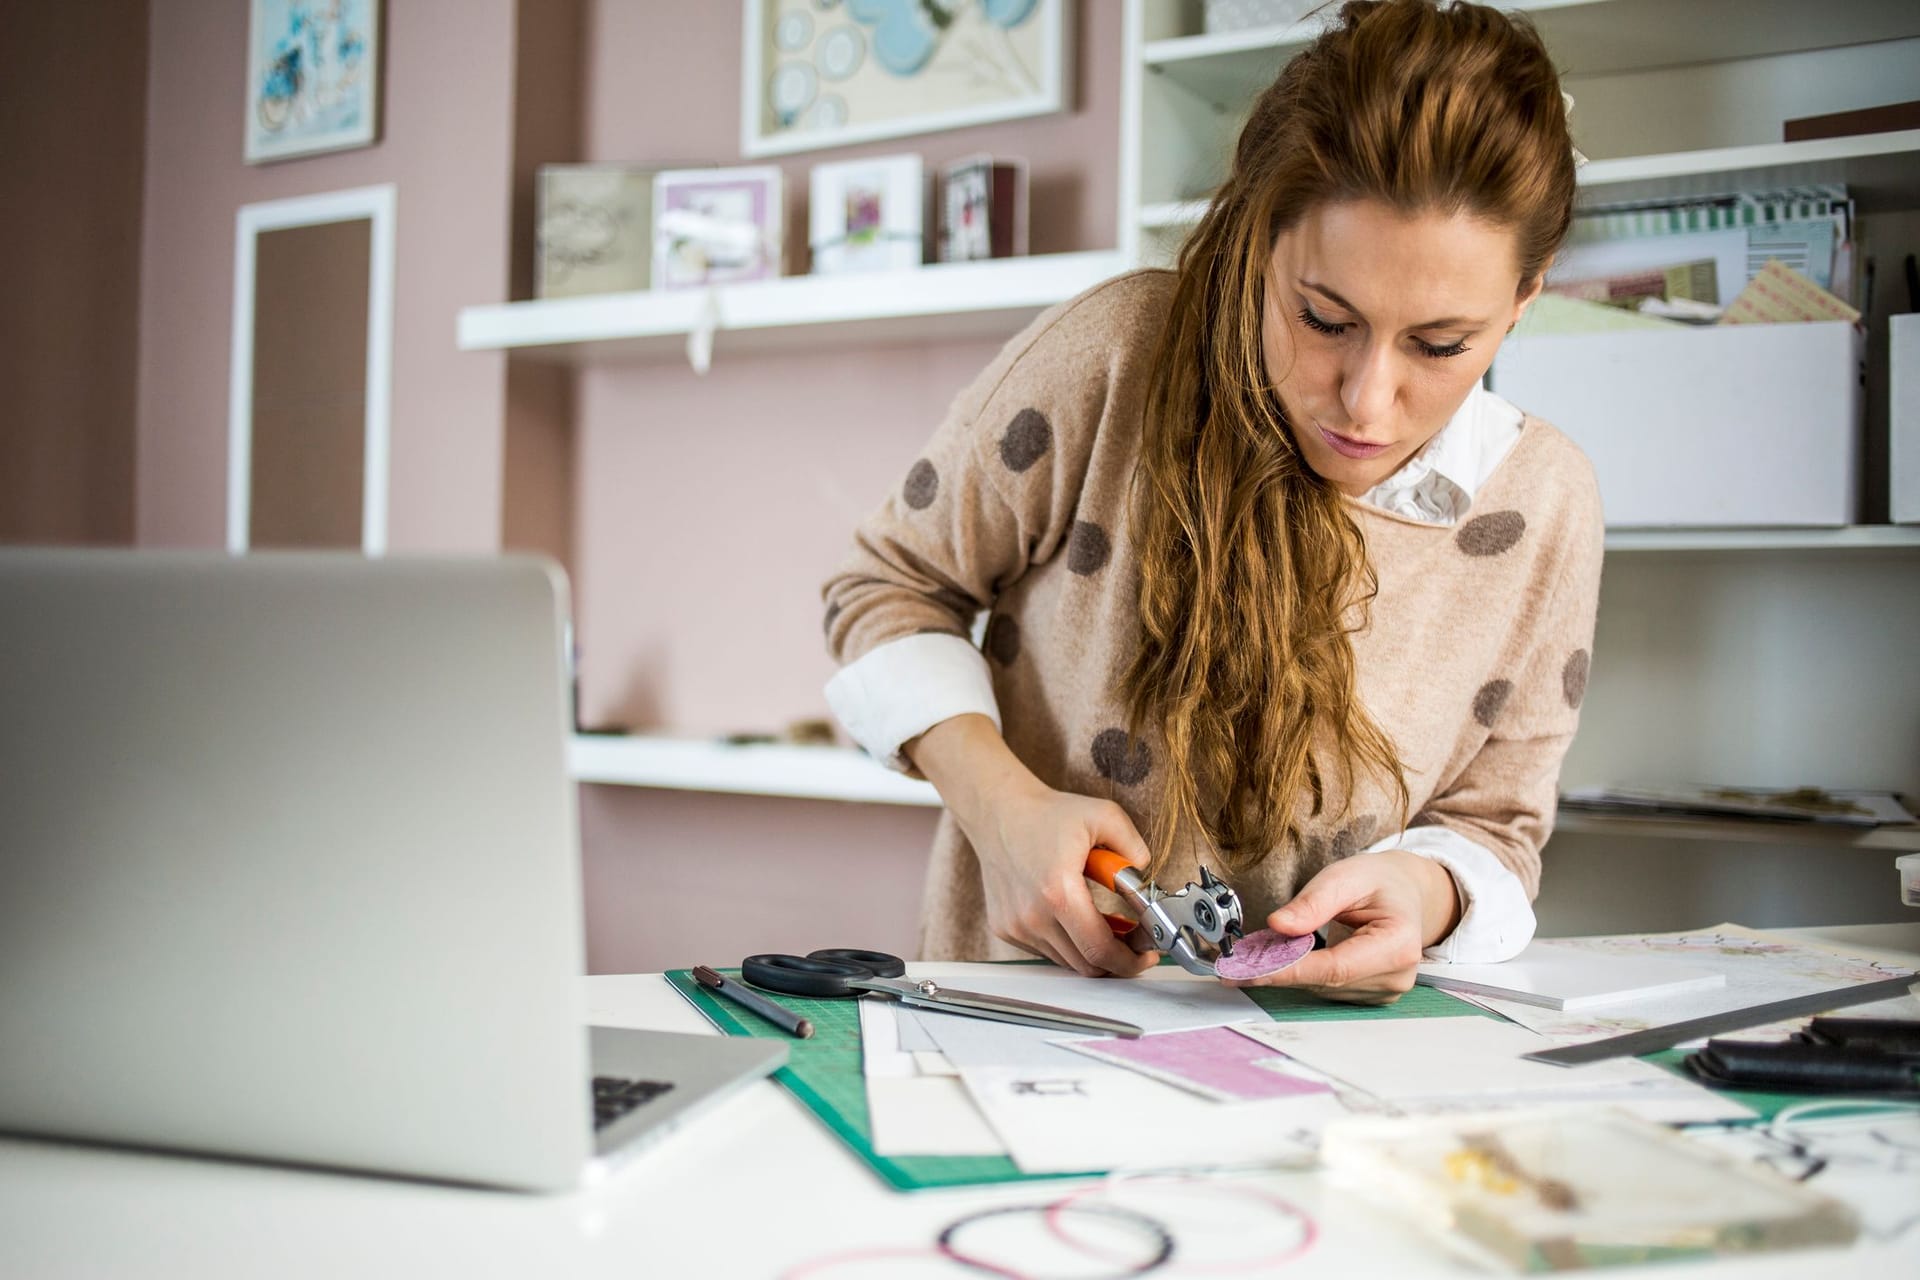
x=825, y=73
x=313, y=81
x=717, y=226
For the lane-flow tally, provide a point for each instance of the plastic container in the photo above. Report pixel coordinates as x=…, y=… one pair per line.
x=1909, y=868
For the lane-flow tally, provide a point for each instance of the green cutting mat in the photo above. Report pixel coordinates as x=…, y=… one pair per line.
x=824, y=1072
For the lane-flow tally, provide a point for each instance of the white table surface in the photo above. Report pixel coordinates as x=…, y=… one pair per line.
x=754, y=1188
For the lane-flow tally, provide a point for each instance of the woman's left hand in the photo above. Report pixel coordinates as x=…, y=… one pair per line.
x=1395, y=904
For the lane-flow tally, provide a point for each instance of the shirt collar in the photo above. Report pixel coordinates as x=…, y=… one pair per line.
x=1438, y=484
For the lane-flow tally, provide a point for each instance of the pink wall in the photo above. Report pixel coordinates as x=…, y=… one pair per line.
x=705, y=512
x=446, y=141
x=709, y=511
x=70, y=165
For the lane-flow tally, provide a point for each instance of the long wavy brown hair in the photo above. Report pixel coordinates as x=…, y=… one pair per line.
x=1254, y=577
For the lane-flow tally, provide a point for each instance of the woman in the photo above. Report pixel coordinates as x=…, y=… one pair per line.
x=1271, y=577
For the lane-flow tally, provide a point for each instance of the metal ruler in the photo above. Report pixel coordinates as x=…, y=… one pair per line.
x=1654, y=1039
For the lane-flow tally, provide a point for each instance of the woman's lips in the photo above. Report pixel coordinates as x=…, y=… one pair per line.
x=1350, y=448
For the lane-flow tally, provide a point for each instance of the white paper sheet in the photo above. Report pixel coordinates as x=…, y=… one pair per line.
x=916, y=1102
x=1759, y=969
x=1057, y=1111
x=928, y=1116
x=1092, y=1117
x=1420, y=1065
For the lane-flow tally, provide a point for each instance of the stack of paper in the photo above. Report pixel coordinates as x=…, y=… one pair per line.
x=1213, y=1082
x=1561, y=977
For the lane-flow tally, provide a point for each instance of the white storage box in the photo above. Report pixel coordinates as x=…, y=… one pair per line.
x=1903, y=417
x=1728, y=425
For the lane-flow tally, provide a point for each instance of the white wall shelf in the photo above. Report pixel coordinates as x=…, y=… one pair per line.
x=704, y=764
x=1850, y=537
x=1589, y=37
x=1817, y=835
x=939, y=302
x=1880, y=170
x=842, y=773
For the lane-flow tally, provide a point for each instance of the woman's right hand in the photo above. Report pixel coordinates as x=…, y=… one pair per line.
x=1033, y=849
x=1032, y=843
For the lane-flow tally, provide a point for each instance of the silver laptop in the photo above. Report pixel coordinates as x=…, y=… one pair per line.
x=289, y=871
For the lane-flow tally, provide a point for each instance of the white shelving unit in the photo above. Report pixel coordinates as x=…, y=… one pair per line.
x=1780, y=656
x=933, y=303
x=703, y=764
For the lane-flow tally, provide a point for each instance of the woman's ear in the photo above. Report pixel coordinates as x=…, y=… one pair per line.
x=1524, y=299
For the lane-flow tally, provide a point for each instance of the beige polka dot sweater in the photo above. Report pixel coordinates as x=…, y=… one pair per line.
x=1474, y=661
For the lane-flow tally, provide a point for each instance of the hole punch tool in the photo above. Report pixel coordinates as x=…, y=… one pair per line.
x=1199, y=920
x=843, y=972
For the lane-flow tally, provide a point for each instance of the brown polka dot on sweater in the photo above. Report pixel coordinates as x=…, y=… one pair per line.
x=1028, y=437
x=1492, y=697
x=1120, y=757
x=923, y=482
x=1491, y=534
x=1087, y=548
x=1003, y=639
x=1573, y=677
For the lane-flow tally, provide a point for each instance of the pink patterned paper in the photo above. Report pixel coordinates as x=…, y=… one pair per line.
x=1262, y=952
x=1216, y=1062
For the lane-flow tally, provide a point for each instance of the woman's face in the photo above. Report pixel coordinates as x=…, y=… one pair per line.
x=1377, y=325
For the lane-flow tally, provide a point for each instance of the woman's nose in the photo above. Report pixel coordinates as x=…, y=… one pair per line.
x=1368, y=386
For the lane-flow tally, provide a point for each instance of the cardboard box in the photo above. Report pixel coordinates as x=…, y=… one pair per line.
x=1903, y=417
x=1725, y=425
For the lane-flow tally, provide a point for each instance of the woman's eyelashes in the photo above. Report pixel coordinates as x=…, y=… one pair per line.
x=1334, y=329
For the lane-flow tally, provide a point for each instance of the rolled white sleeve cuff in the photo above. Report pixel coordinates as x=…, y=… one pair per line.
x=1496, y=920
x=901, y=689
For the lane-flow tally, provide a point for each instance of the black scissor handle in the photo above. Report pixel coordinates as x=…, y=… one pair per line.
x=879, y=963
x=819, y=973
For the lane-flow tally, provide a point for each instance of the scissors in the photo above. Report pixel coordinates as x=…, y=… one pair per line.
x=844, y=972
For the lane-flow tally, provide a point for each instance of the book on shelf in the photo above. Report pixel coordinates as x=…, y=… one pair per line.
x=1853, y=808
x=1894, y=117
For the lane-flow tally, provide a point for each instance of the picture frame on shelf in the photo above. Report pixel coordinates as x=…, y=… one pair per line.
x=983, y=209
x=717, y=226
x=817, y=73
x=313, y=77
x=867, y=215
x=594, y=230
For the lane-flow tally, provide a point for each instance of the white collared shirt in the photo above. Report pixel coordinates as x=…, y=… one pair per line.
x=899, y=690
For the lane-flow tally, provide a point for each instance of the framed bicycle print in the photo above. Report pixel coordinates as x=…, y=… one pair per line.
x=313, y=77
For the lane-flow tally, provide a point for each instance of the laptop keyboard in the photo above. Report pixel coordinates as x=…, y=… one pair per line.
x=614, y=1097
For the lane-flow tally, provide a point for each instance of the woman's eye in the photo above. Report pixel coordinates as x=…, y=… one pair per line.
x=1318, y=325
x=1442, y=353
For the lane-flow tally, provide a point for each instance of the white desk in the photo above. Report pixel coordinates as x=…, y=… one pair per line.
x=750, y=1190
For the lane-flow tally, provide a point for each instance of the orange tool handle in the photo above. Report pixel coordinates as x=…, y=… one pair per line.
x=1102, y=866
